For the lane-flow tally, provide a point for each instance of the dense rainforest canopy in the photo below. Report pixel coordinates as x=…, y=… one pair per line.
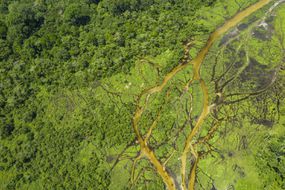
x=71, y=73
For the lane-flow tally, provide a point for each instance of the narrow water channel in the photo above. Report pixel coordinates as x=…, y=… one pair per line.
x=196, y=63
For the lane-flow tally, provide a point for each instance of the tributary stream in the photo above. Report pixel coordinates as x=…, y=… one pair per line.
x=196, y=62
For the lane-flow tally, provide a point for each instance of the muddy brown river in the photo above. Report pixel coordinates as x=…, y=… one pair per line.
x=196, y=63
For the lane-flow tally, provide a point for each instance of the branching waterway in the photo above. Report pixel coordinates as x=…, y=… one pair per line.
x=146, y=151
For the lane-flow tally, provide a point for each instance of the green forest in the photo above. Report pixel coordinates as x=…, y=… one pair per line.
x=142, y=94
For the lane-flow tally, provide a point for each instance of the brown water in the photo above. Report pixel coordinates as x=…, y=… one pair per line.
x=197, y=62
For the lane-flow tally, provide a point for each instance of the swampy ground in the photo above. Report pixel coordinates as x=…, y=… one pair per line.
x=142, y=95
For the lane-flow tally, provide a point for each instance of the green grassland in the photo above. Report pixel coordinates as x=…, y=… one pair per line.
x=250, y=156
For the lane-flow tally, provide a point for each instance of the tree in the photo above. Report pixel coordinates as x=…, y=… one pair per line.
x=5, y=50
x=22, y=21
x=6, y=129
x=3, y=30
x=77, y=14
